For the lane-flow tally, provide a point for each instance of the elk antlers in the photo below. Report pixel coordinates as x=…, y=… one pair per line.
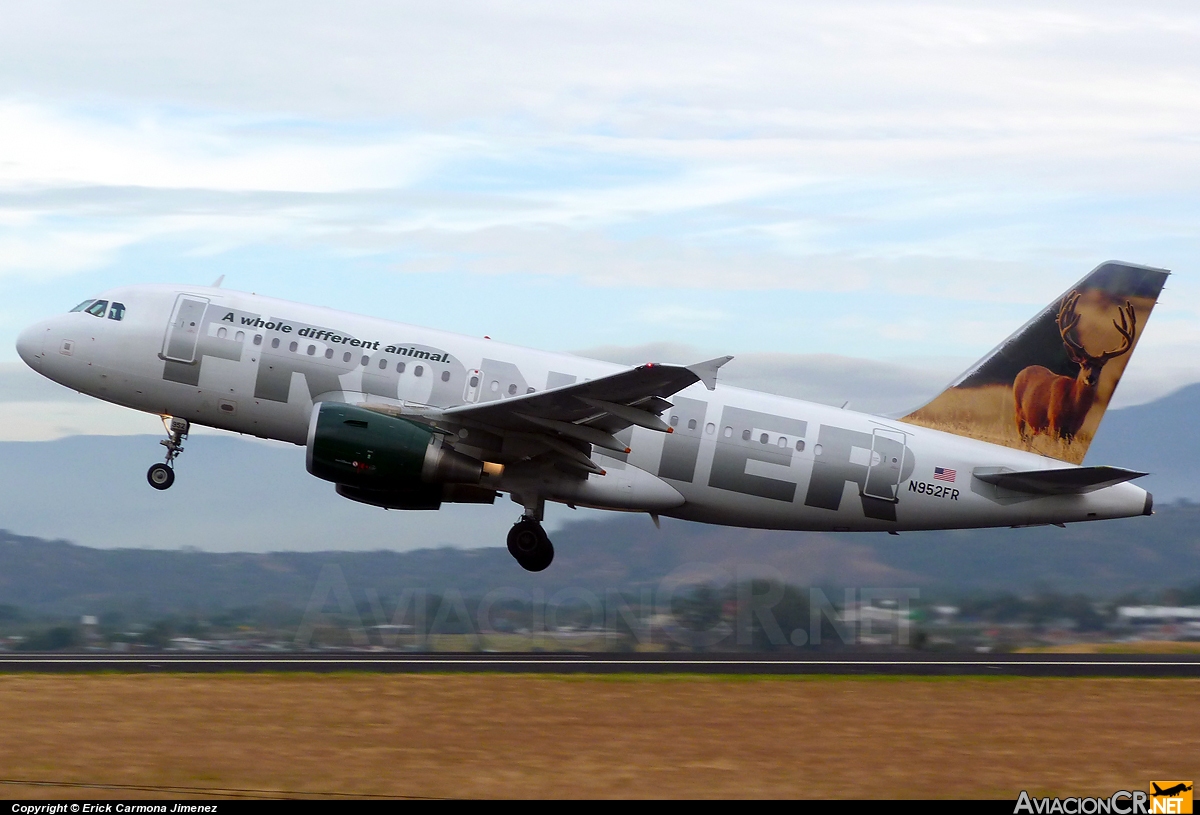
x=1068, y=320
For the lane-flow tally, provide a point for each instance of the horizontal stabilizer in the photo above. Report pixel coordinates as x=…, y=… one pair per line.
x=1064, y=481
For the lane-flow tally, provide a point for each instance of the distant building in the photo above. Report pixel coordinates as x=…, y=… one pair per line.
x=1157, y=615
x=1166, y=622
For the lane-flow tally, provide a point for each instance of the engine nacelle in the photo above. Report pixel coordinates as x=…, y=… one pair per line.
x=366, y=450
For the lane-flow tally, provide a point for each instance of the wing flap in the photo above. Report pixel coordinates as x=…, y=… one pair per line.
x=1059, y=481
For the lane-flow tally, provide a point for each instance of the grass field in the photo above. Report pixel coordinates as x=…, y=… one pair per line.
x=531, y=736
x=1143, y=647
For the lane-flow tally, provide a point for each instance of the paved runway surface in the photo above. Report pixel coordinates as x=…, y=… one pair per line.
x=896, y=664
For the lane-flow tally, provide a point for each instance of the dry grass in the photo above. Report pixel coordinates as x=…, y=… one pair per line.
x=488, y=735
x=1142, y=647
x=988, y=413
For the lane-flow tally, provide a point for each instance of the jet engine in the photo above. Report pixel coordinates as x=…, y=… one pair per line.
x=389, y=461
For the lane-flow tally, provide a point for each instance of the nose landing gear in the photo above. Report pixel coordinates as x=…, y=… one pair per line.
x=528, y=543
x=162, y=476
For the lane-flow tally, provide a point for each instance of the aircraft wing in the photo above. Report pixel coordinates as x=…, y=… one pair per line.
x=593, y=410
x=564, y=421
x=1061, y=481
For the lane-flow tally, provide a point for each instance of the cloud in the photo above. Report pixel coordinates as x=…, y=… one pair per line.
x=53, y=252
x=671, y=67
x=673, y=316
x=47, y=147
x=869, y=386
x=915, y=170
x=888, y=387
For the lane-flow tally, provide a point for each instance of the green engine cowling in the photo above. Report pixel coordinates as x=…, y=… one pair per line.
x=371, y=454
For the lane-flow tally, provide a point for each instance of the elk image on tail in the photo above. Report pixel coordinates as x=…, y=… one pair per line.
x=1041, y=389
x=1057, y=405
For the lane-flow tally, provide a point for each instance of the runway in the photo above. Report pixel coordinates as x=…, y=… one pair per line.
x=888, y=664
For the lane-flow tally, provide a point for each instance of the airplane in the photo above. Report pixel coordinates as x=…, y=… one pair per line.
x=408, y=418
x=1170, y=792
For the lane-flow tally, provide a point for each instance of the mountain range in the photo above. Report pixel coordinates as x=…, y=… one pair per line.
x=246, y=524
x=239, y=494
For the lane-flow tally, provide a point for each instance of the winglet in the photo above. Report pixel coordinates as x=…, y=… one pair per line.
x=707, y=371
x=217, y=283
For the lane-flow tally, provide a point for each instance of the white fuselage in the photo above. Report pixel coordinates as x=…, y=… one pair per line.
x=256, y=365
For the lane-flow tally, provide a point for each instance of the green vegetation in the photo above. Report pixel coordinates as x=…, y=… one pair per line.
x=753, y=615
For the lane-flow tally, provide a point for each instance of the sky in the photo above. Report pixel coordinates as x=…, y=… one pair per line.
x=854, y=199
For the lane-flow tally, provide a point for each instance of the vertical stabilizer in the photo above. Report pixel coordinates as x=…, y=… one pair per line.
x=1046, y=387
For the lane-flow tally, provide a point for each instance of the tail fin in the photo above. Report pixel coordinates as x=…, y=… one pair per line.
x=1047, y=386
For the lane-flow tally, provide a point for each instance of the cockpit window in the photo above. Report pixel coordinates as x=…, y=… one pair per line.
x=82, y=305
x=97, y=308
x=117, y=312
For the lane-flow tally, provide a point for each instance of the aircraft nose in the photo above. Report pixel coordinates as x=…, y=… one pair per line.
x=29, y=344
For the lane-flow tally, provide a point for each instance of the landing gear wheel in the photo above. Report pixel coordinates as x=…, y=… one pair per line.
x=527, y=542
x=160, y=476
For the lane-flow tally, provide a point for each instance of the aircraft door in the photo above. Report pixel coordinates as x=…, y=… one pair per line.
x=474, y=380
x=497, y=380
x=184, y=328
x=888, y=452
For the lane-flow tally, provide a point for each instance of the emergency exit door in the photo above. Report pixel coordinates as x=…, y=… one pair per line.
x=888, y=450
x=184, y=329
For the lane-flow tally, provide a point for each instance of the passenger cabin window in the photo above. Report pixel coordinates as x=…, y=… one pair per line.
x=82, y=306
x=382, y=364
x=117, y=311
x=400, y=367
x=312, y=350
x=328, y=353
x=97, y=308
x=292, y=346
x=275, y=342
x=346, y=357
x=417, y=371
x=512, y=390
x=445, y=376
x=745, y=435
x=258, y=339
x=691, y=424
x=222, y=333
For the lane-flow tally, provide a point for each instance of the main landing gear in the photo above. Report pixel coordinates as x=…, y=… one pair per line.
x=527, y=542
x=162, y=476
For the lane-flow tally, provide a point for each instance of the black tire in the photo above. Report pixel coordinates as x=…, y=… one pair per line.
x=528, y=544
x=160, y=476
x=524, y=539
x=542, y=560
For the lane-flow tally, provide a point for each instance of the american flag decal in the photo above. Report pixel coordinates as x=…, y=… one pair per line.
x=943, y=474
